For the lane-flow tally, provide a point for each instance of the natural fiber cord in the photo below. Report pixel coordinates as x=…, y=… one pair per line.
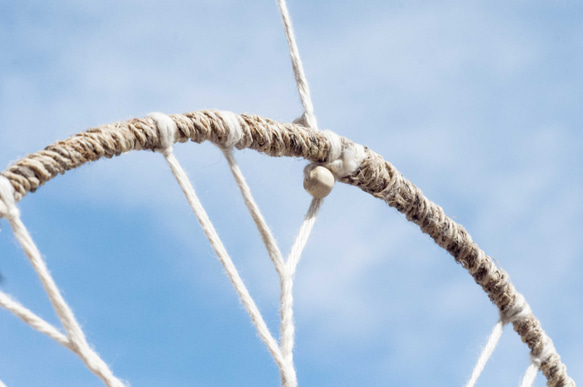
x=373, y=175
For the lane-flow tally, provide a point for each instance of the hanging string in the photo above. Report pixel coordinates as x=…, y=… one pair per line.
x=281, y=353
x=300, y=76
x=264, y=230
x=286, y=269
x=486, y=353
x=287, y=282
x=308, y=119
x=529, y=376
x=32, y=319
x=167, y=129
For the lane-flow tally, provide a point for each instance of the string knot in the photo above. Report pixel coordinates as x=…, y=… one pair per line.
x=306, y=120
x=166, y=131
x=519, y=310
x=233, y=129
x=8, y=207
x=544, y=353
x=344, y=156
x=516, y=311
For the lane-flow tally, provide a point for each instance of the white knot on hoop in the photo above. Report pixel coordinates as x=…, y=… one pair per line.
x=518, y=310
x=8, y=207
x=547, y=350
x=167, y=131
x=344, y=156
x=335, y=143
x=233, y=128
x=302, y=120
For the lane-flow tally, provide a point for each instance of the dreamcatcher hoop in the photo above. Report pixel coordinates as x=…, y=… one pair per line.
x=350, y=163
x=373, y=175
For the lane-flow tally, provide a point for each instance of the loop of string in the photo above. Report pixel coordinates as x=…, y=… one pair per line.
x=75, y=338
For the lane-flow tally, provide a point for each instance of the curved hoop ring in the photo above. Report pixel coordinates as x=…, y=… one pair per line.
x=374, y=176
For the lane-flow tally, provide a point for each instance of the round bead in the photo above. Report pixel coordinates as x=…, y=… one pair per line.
x=318, y=181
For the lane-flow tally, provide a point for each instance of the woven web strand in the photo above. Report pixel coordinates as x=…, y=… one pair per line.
x=529, y=375
x=486, y=353
x=309, y=120
x=282, y=353
x=75, y=338
x=286, y=269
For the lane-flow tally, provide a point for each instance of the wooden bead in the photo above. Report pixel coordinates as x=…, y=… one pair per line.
x=319, y=182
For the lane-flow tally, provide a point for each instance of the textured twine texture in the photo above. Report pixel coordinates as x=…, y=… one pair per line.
x=374, y=176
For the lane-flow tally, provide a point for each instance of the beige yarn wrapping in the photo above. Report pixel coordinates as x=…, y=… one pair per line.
x=375, y=176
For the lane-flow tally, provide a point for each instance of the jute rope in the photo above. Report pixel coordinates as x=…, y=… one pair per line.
x=374, y=176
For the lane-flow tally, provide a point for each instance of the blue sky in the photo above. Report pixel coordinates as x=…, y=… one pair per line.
x=478, y=103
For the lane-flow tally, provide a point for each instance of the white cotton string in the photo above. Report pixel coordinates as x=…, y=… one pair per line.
x=234, y=134
x=286, y=270
x=303, y=236
x=300, y=76
x=486, y=353
x=167, y=128
x=341, y=160
x=529, y=376
x=518, y=309
x=32, y=319
x=287, y=282
x=76, y=338
x=264, y=231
